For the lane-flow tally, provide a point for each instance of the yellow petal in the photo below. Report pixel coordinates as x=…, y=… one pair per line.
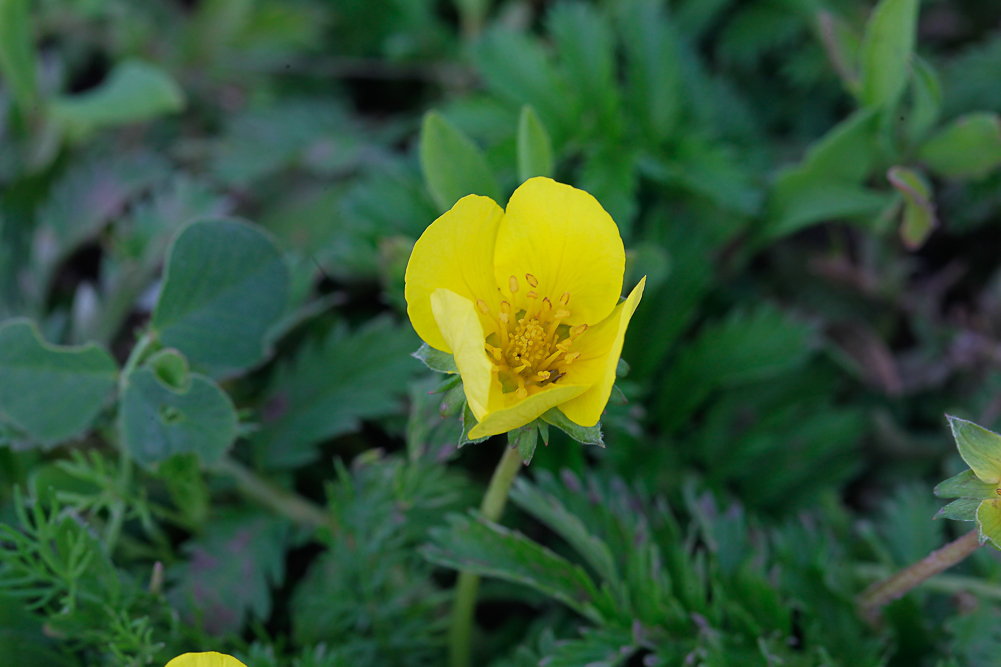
x=518, y=412
x=455, y=252
x=564, y=239
x=600, y=347
x=210, y=659
x=456, y=318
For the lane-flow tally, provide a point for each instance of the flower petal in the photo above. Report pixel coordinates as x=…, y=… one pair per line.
x=455, y=252
x=508, y=412
x=989, y=522
x=566, y=240
x=600, y=347
x=980, y=448
x=210, y=659
x=456, y=317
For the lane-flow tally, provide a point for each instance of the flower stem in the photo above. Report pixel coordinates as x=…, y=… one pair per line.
x=279, y=500
x=465, y=589
x=893, y=588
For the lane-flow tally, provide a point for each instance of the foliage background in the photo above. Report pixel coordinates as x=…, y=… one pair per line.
x=805, y=329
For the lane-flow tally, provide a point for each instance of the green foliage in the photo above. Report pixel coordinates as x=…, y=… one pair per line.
x=811, y=190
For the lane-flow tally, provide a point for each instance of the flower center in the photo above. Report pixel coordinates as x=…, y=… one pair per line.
x=531, y=345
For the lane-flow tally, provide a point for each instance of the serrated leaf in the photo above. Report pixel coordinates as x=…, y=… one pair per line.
x=134, y=91
x=157, y=421
x=331, y=387
x=919, y=210
x=525, y=439
x=436, y=360
x=229, y=573
x=587, y=435
x=535, y=149
x=453, y=165
x=598, y=647
x=553, y=513
x=17, y=53
x=964, y=509
x=965, y=485
x=225, y=284
x=886, y=52
x=969, y=147
x=485, y=548
x=52, y=393
x=654, y=70
x=989, y=522
x=980, y=448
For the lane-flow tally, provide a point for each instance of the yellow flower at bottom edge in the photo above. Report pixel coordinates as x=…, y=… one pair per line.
x=527, y=302
x=210, y=659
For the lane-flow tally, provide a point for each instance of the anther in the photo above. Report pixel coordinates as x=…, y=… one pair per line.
x=531, y=280
x=578, y=330
x=570, y=358
x=561, y=314
x=512, y=284
x=547, y=305
x=531, y=294
x=544, y=375
x=482, y=305
x=565, y=299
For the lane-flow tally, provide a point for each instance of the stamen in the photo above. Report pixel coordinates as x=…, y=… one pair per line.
x=565, y=299
x=578, y=330
x=547, y=306
x=570, y=358
x=531, y=280
x=522, y=392
x=483, y=307
x=512, y=284
x=532, y=294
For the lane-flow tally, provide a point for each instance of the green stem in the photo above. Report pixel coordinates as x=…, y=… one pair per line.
x=886, y=591
x=949, y=584
x=135, y=356
x=113, y=529
x=279, y=500
x=491, y=508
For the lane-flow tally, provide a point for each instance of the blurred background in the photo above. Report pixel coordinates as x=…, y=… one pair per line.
x=822, y=254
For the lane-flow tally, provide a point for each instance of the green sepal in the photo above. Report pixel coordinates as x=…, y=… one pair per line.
x=447, y=384
x=621, y=368
x=543, y=431
x=980, y=448
x=964, y=509
x=453, y=401
x=436, y=360
x=525, y=438
x=989, y=523
x=965, y=485
x=617, y=397
x=468, y=422
x=588, y=435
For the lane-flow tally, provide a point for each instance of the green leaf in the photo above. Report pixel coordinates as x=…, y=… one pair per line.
x=969, y=147
x=229, y=573
x=886, y=52
x=607, y=646
x=653, y=67
x=224, y=285
x=157, y=421
x=965, y=485
x=588, y=435
x=927, y=105
x=525, y=439
x=453, y=165
x=919, y=211
x=52, y=393
x=331, y=387
x=535, y=149
x=964, y=509
x=17, y=53
x=980, y=448
x=185, y=482
x=133, y=92
x=548, y=509
x=171, y=368
x=479, y=546
x=436, y=360
x=989, y=522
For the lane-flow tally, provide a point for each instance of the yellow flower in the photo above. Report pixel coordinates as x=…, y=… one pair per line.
x=205, y=660
x=527, y=302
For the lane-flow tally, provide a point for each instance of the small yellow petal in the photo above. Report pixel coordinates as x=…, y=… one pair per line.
x=210, y=659
x=518, y=412
x=600, y=347
x=565, y=240
x=456, y=318
x=455, y=252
